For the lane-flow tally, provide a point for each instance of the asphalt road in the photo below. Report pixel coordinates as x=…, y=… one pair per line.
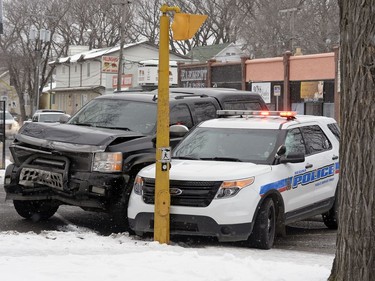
x=310, y=235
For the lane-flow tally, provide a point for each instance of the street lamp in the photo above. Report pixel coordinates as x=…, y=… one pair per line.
x=39, y=36
x=292, y=12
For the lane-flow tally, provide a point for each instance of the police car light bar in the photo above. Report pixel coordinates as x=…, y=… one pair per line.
x=287, y=114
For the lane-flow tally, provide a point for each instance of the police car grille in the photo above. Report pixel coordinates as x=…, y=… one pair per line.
x=184, y=193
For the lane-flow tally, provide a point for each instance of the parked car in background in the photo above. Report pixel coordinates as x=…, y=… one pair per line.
x=11, y=125
x=47, y=116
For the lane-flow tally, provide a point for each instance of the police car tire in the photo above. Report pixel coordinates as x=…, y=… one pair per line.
x=330, y=218
x=35, y=210
x=264, y=229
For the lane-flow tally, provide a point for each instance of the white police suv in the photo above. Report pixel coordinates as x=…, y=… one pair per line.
x=246, y=176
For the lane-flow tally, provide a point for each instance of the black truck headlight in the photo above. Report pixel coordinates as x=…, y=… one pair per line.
x=107, y=162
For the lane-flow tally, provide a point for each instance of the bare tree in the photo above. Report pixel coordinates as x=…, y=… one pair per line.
x=20, y=52
x=147, y=22
x=222, y=26
x=72, y=22
x=355, y=254
x=277, y=26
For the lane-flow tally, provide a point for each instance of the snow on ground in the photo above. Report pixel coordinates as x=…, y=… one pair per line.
x=79, y=254
x=75, y=253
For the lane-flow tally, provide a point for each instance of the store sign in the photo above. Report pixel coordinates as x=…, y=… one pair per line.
x=194, y=77
x=277, y=90
x=148, y=75
x=110, y=64
x=312, y=90
x=264, y=89
x=126, y=81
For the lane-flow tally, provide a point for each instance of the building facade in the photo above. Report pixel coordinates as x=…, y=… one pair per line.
x=307, y=84
x=84, y=76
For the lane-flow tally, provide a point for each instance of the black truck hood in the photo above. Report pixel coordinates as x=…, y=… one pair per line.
x=72, y=137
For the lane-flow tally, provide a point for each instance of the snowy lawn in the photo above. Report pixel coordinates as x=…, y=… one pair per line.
x=79, y=254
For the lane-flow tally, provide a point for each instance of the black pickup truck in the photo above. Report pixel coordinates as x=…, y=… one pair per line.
x=91, y=160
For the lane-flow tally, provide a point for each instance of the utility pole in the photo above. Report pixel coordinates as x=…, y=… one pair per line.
x=291, y=11
x=122, y=39
x=39, y=36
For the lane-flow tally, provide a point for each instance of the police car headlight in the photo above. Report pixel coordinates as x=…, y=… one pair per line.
x=138, y=185
x=107, y=162
x=231, y=188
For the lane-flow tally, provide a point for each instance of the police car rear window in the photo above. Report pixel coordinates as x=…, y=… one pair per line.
x=242, y=105
x=334, y=128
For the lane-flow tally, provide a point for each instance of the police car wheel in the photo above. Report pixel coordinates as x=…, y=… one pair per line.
x=35, y=210
x=330, y=218
x=263, y=234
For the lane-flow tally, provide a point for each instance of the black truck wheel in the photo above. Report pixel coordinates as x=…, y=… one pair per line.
x=118, y=209
x=35, y=210
x=263, y=234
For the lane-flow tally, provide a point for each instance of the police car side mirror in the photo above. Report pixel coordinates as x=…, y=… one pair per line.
x=281, y=151
x=292, y=158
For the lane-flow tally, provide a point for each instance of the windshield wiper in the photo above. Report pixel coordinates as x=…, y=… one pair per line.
x=114, y=128
x=232, y=159
x=186, y=157
x=82, y=124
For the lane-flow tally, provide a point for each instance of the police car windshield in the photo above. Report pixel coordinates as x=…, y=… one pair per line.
x=119, y=114
x=245, y=145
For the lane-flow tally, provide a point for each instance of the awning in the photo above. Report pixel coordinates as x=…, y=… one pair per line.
x=71, y=89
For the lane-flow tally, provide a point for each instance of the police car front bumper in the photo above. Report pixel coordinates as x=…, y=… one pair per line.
x=193, y=225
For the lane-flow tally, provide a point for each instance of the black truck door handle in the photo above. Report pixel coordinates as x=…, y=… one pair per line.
x=308, y=166
x=335, y=157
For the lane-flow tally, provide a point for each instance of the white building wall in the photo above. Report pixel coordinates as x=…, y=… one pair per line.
x=62, y=75
x=230, y=53
x=91, y=73
x=75, y=74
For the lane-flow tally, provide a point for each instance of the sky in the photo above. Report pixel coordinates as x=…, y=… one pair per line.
x=76, y=253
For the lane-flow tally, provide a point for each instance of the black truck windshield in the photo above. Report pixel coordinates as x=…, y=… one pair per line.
x=118, y=114
x=222, y=144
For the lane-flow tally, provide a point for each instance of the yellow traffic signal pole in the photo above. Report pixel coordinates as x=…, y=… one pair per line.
x=184, y=27
x=163, y=150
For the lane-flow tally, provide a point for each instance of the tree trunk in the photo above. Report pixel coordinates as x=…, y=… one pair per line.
x=355, y=253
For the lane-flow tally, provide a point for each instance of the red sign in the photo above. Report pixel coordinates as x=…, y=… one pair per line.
x=109, y=64
x=126, y=81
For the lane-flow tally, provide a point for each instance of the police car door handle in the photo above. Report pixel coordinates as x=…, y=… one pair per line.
x=308, y=166
x=335, y=157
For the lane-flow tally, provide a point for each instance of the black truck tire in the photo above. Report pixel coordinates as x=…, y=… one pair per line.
x=118, y=209
x=35, y=210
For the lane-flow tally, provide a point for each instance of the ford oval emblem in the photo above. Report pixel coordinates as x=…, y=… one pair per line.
x=175, y=191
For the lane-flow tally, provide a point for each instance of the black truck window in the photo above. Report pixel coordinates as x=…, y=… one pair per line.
x=180, y=114
x=204, y=111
